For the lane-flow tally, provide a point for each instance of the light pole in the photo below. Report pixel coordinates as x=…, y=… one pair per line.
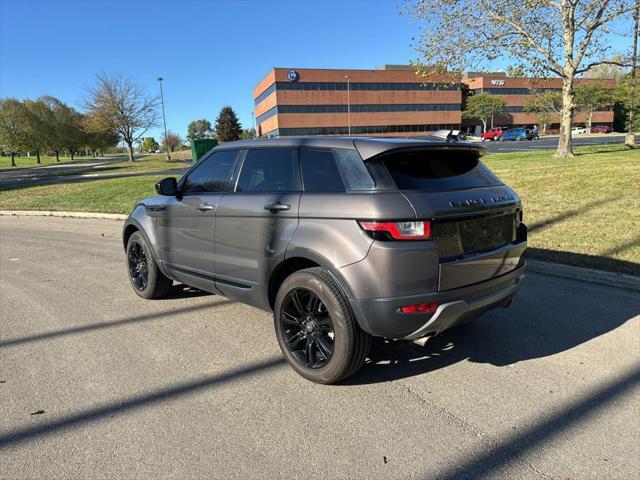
x=253, y=120
x=164, y=120
x=348, y=77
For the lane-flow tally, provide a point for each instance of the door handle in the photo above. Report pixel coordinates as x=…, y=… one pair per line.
x=277, y=207
x=205, y=207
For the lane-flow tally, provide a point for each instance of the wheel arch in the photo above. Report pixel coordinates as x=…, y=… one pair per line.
x=297, y=260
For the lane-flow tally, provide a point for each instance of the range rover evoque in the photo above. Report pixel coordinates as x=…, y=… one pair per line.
x=342, y=238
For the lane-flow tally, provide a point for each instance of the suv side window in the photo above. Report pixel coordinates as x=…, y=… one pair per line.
x=269, y=170
x=335, y=170
x=212, y=175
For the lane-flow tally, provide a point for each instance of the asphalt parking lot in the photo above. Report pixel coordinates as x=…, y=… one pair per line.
x=96, y=382
x=550, y=143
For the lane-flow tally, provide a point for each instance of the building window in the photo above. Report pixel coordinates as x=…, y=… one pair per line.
x=354, y=86
x=358, y=130
x=419, y=107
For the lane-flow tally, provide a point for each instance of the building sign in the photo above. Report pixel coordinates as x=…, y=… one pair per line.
x=293, y=76
x=497, y=83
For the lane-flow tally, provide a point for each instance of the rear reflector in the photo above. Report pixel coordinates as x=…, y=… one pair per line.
x=420, y=230
x=420, y=308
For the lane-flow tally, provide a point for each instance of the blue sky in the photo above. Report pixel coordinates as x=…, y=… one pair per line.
x=211, y=53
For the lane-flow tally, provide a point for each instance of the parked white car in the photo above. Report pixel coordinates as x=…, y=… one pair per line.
x=578, y=130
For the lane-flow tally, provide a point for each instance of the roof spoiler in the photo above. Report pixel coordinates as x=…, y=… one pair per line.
x=448, y=135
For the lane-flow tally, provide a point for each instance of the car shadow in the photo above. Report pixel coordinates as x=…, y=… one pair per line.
x=179, y=290
x=544, y=319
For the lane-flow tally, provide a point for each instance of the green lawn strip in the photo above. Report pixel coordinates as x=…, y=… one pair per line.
x=106, y=196
x=581, y=211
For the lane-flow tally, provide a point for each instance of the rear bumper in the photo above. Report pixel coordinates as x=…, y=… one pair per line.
x=379, y=316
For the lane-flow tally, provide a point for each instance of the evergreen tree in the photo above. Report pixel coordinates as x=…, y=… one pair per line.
x=228, y=127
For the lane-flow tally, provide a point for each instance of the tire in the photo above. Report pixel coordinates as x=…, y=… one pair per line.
x=330, y=323
x=146, y=278
x=518, y=139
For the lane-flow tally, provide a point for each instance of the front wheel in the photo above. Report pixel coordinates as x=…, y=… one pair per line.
x=146, y=278
x=316, y=329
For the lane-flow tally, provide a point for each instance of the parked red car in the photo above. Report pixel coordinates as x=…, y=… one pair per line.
x=601, y=129
x=493, y=133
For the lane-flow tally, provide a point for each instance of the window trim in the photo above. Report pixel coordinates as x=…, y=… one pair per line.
x=188, y=173
x=240, y=165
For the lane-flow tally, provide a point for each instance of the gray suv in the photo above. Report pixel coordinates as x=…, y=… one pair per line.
x=342, y=238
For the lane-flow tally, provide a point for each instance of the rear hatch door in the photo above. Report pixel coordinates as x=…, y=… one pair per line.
x=475, y=217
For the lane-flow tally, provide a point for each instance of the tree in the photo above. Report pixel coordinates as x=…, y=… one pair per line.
x=609, y=71
x=99, y=140
x=228, y=127
x=149, y=145
x=72, y=135
x=622, y=107
x=14, y=129
x=117, y=104
x=544, y=103
x=57, y=113
x=199, y=129
x=248, y=133
x=172, y=140
x=591, y=97
x=40, y=122
x=483, y=106
x=563, y=38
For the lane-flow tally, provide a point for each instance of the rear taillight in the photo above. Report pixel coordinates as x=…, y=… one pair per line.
x=420, y=230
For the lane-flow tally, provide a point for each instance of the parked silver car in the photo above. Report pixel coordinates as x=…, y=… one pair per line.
x=342, y=238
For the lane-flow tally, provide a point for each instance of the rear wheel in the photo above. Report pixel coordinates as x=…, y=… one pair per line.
x=146, y=278
x=316, y=329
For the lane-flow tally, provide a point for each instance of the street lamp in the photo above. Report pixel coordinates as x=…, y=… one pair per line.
x=348, y=78
x=164, y=120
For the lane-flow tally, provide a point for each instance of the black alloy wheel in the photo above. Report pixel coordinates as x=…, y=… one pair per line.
x=308, y=328
x=138, y=267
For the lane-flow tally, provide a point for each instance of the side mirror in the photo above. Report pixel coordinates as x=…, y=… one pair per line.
x=167, y=186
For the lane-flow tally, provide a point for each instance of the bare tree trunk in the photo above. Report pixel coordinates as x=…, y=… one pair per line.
x=38, y=156
x=484, y=125
x=71, y=154
x=13, y=159
x=130, y=150
x=565, y=149
x=590, y=120
x=57, y=156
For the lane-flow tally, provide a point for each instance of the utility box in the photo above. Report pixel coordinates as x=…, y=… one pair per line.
x=200, y=147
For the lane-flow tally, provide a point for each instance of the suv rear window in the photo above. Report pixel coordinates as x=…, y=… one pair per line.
x=334, y=170
x=437, y=170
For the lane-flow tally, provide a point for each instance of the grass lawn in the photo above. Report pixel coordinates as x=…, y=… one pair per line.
x=583, y=211
x=107, y=196
x=26, y=162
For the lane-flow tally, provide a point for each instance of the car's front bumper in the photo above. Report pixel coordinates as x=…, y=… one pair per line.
x=380, y=316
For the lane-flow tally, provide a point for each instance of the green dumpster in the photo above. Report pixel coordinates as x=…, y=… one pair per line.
x=200, y=147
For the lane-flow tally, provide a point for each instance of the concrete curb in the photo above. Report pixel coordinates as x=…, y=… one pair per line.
x=601, y=277
x=51, y=213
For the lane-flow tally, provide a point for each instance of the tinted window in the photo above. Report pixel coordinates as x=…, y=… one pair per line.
x=212, y=175
x=334, y=170
x=269, y=170
x=434, y=170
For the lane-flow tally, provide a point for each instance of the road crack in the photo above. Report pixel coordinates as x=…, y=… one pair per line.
x=494, y=445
